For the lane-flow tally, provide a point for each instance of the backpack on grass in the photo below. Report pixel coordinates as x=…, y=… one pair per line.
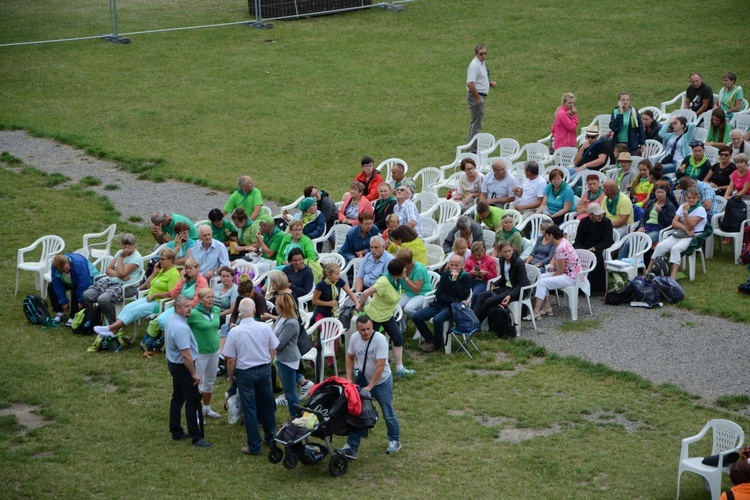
x=36, y=310
x=645, y=291
x=500, y=322
x=620, y=294
x=669, y=289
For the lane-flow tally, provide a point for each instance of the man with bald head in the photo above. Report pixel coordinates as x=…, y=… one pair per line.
x=455, y=285
x=246, y=196
x=618, y=207
x=211, y=254
x=162, y=226
x=498, y=188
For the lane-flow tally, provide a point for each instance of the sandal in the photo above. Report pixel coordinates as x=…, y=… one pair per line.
x=547, y=312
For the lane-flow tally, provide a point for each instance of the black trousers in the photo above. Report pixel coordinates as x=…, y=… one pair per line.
x=487, y=300
x=187, y=394
x=54, y=300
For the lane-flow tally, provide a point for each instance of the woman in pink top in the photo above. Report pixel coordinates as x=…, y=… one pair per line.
x=740, y=178
x=562, y=271
x=566, y=123
x=481, y=267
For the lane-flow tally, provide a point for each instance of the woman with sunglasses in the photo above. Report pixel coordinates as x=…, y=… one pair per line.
x=718, y=175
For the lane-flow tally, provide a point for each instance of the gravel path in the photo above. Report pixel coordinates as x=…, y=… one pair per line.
x=703, y=355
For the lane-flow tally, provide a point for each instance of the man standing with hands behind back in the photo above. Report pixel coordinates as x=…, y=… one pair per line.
x=478, y=85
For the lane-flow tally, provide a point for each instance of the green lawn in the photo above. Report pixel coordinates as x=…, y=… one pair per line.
x=206, y=105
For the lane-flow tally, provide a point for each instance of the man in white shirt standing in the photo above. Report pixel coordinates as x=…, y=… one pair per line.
x=478, y=85
x=530, y=193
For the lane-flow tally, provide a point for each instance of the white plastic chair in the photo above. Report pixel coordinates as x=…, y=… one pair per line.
x=243, y=265
x=449, y=183
x=489, y=239
x=327, y=258
x=388, y=165
x=525, y=298
x=430, y=230
x=679, y=100
x=640, y=243
x=570, y=229
x=484, y=143
x=289, y=208
x=536, y=152
x=507, y=148
x=704, y=120
x=329, y=330
x=653, y=150
x=97, y=249
x=265, y=210
x=517, y=216
x=563, y=157
x=425, y=179
x=712, y=153
x=550, y=168
x=444, y=211
x=424, y=201
x=352, y=266
x=727, y=437
x=534, y=222
x=585, y=173
x=443, y=232
x=447, y=170
x=51, y=246
x=689, y=114
x=435, y=254
x=700, y=134
x=740, y=121
x=656, y=111
x=338, y=232
x=588, y=262
x=665, y=233
x=735, y=237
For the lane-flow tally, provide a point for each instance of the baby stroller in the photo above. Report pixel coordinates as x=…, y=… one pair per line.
x=326, y=413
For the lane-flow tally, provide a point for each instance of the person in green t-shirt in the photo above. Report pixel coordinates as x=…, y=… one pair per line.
x=221, y=229
x=246, y=197
x=204, y=323
x=162, y=226
x=489, y=216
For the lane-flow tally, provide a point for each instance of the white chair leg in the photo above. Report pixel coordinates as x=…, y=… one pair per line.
x=703, y=261
x=691, y=266
x=18, y=272
x=737, y=244
x=574, y=304
x=447, y=337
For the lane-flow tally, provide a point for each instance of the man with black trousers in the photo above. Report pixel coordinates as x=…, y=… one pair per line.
x=181, y=350
x=595, y=234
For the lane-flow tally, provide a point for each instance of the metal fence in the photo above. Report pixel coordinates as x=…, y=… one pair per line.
x=24, y=22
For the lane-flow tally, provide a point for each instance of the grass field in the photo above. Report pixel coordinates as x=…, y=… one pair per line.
x=206, y=105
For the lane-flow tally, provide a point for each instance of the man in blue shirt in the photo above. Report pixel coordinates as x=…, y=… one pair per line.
x=211, y=254
x=357, y=242
x=373, y=265
x=181, y=351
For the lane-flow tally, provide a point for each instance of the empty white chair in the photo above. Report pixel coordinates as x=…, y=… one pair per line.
x=94, y=249
x=588, y=262
x=534, y=222
x=536, y=152
x=525, y=298
x=653, y=150
x=444, y=211
x=639, y=244
x=352, y=266
x=678, y=101
x=700, y=134
x=506, y=148
x=704, y=120
x=425, y=201
x=338, y=232
x=51, y=246
x=430, y=230
x=483, y=144
x=426, y=178
x=727, y=437
x=329, y=330
x=387, y=165
x=443, y=232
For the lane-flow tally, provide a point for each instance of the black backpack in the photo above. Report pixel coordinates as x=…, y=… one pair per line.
x=660, y=266
x=92, y=317
x=35, y=309
x=734, y=213
x=501, y=323
x=616, y=297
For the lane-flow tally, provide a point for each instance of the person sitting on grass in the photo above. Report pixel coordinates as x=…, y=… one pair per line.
x=161, y=281
x=689, y=221
x=481, y=267
x=508, y=232
x=74, y=272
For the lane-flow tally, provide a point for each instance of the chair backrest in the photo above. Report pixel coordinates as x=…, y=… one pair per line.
x=570, y=229
x=483, y=140
x=687, y=113
x=534, y=222
x=602, y=121
x=451, y=182
x=94, y=249
x=445, y=211
x=339, y=232
x=588, y=260
x=564, y=156
x=679, y=100
x=535, y=152
x=354, y=265
x=550, y=168
x=489, y=239
x=712, y=153
x=388, y=165
x=326, y=258
x=426, y=178
x=265, y=210
x=656, y=111
x=640, y=243
x=704, y=120
x=720, y=203
x=435, y=254
x=202, y=222
x=425, y=201
x=652, y=148
x=329, y=329
x=741, y=121
x=443, y=232
x=288, y=208
x=434, y=279
x=700, y=134
x=727, y=435
x=430, y=228
x=507, y=148
x=243, y=265
x=532, y=273
x=51, y=246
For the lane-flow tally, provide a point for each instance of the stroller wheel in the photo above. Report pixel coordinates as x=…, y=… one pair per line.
x=338, y=465
x=275, y=455
x=290, y=460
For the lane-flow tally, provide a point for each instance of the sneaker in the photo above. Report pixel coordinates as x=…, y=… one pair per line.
x=393, y=447
x=103, y=331
x=69, y=323
x=202, y=443
x=305, y=388
x=416, y=336
x=405, y=372
x=208, y=412
x=281, y=400
x=350, y=452
x=427, y=347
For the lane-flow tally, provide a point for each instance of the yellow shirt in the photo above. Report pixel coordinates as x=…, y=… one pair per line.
x=418, y=250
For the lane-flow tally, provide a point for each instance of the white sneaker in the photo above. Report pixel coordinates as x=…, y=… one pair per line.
x=281, y=400
x=393, y=447
x=305, y=388
x=208, y=412
x=416, y=336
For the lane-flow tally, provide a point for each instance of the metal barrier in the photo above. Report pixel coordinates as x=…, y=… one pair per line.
x=51, y=21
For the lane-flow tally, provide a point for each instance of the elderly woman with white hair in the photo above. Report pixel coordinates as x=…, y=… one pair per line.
x=123, y=270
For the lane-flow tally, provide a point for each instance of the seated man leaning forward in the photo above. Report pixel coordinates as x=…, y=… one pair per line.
x=368, y=352
x=455, y=285
x=162, y=226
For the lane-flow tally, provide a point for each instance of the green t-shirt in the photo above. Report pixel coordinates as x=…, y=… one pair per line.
x=205, y=328
x=169, y=228
x=384, y=302
x=220, y=233
x=248, y=235
x=515, y=239
x=622, y=134
x=273, y=241
x=245, y=201
x=418, y=272
x=493, y=219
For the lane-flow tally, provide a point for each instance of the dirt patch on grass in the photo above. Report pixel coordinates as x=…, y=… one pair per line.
x=43, y=454
x=603, y=417
x=515, y=435
x=101, y=382
x=27, y=417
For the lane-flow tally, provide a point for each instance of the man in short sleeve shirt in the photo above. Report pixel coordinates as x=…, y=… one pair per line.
x=478, y=85
x=247, y=197
x=699, y=96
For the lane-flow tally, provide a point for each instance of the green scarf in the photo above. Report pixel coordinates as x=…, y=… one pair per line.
x=556, y=192
x=307, y=218
x=697, y=204
x=596, y=195
x=693, y=168
x=202, y=310
x=382, y=204
x=612, y=205
x=509, y=233
x=394, y=284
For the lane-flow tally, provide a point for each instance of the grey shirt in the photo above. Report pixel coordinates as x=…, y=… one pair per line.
x=178, y=336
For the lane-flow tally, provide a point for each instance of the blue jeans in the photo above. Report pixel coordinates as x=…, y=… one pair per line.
x=439, y=315
x=383, y=394
x=288, y=378
x=256, y=396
